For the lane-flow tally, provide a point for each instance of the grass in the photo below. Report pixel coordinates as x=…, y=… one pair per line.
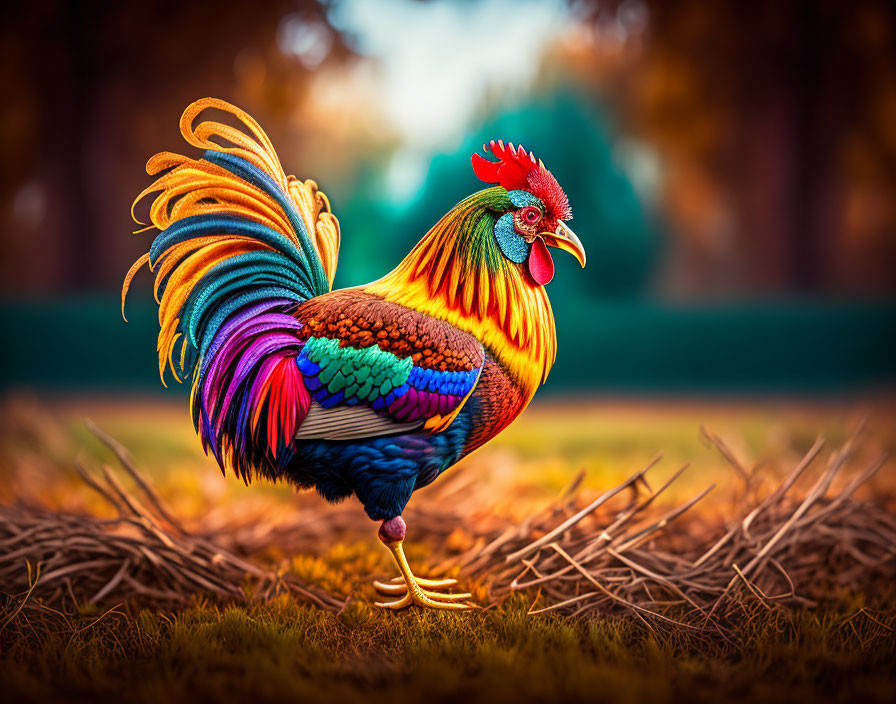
x=284, y=649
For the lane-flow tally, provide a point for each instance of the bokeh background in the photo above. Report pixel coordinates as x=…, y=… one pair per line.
x=731, y=166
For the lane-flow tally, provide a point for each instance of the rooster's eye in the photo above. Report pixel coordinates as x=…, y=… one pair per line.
x=531, y=215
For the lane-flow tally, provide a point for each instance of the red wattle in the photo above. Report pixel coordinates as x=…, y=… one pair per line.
x=541, y=266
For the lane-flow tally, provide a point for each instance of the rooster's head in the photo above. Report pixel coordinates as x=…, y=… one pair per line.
x=539, y=209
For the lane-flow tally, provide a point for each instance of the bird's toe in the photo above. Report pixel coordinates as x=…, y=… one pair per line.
x=390, y=588
x=397, y=585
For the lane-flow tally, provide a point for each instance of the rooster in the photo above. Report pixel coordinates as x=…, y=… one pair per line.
x=373, y=390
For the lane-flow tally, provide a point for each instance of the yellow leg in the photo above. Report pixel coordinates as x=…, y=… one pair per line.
x=416, y=591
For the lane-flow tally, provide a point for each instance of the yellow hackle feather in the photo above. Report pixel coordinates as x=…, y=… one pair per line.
x=510, y=314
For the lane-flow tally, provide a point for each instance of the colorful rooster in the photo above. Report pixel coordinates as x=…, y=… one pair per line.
x=374, y=390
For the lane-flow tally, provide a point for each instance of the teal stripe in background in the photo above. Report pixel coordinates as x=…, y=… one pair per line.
x=82, y=344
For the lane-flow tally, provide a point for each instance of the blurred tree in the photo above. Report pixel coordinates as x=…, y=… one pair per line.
x=92, y=89
x=777, y=124
x=371, y=243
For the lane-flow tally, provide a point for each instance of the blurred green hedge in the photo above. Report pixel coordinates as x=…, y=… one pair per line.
x=632, y=346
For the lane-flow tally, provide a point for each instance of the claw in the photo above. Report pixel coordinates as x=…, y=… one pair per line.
x=416, y=590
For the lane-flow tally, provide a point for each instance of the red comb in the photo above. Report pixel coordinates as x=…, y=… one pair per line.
x=517, y=169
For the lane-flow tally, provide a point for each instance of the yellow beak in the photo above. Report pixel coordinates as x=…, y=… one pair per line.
x=565, y=239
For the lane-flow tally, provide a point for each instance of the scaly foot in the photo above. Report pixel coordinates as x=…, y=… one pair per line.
x=421, y=595
x=414, y=590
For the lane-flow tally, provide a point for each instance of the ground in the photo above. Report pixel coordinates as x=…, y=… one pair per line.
x=285, y=649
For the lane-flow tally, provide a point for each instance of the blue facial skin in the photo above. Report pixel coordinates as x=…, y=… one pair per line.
x=523, y=198
x=513, y=246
